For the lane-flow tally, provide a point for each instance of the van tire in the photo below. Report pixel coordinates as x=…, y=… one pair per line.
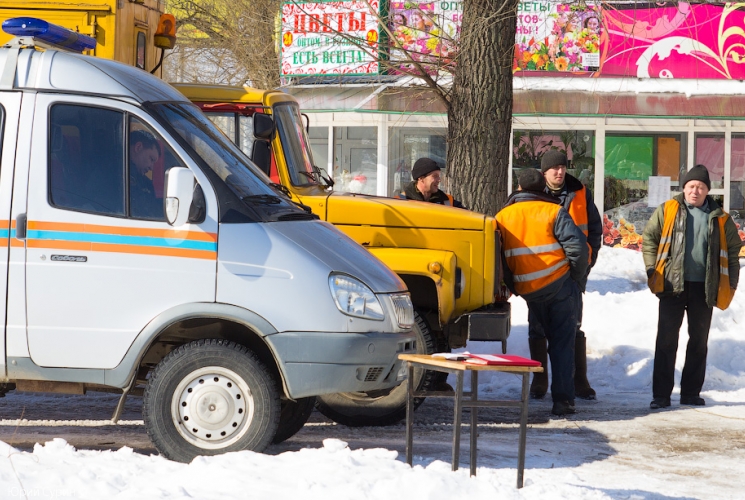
x=225, y=394
x=379, y=408
x=292, y=417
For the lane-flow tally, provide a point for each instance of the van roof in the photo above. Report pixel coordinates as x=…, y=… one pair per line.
x=57, y=71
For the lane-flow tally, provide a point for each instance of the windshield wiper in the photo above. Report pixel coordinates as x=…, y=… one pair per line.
x=262, y=199
x=317, y=176
x=282, y=189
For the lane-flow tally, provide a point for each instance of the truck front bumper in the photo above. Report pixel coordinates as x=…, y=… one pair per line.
x=315, y=363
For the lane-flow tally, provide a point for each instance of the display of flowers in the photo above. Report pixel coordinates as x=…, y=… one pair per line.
x=621, y=235
x=562, y=50
x=588, y=41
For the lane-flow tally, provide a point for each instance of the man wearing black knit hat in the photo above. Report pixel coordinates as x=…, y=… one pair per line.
x=544, y=256
x=690, y=249
x=578, y=201
x=426, y=184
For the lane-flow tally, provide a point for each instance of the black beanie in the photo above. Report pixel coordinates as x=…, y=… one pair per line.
x=423, y=166
x=553, y=158
x=697, y=173
x=531, y=179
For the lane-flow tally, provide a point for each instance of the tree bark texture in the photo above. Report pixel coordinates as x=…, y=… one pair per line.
x=480, y=111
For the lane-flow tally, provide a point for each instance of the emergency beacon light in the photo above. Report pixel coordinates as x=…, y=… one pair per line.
x=48, y=33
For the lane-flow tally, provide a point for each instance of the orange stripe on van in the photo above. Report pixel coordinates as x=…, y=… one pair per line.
x=126, y=231
x=131, y=249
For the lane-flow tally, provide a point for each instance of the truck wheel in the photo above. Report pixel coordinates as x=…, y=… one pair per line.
x=292, y=417
x=210, y=397
x=385, y=407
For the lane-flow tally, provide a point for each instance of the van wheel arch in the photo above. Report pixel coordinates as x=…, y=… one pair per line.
x=201, y=328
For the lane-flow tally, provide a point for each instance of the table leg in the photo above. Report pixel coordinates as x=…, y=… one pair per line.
x=409, y=411
x=474, y=419
x=458, y=409
x=523, y=431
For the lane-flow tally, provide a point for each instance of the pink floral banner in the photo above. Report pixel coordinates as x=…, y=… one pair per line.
x=660, y=40
x=425, y=33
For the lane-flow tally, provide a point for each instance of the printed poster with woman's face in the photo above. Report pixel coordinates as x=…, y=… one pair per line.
x=558, y=37
x=425, y=32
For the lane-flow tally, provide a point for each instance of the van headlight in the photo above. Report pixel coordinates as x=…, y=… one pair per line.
x=354, y=298
x=404, y=310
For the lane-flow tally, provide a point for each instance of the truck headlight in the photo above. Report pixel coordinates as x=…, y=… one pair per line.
x=354, y=298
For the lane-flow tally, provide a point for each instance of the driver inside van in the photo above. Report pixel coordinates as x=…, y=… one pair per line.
x=144, y=152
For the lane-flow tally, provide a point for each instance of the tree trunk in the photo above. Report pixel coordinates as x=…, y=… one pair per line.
x=480, y=112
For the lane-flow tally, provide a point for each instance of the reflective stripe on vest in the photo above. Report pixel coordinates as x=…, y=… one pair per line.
x=724, y=293
x=533, y=254
x=656, y=282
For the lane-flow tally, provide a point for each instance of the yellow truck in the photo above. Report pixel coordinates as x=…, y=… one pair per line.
x=448, y=257
x=124, y=30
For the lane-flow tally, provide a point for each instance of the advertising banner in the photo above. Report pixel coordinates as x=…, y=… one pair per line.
x=652, y=40
x=425, y=32
x=330, y=38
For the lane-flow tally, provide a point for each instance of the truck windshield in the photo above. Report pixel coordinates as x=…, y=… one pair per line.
x=219, y=153
x=295, y=144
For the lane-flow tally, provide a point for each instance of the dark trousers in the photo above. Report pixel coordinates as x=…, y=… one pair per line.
x=535, y=330
x=558, y=319
x=692, y=302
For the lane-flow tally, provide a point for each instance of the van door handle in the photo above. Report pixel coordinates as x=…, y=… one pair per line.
x=21, y=226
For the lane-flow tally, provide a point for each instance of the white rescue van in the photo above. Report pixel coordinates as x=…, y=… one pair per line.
x=142, y=251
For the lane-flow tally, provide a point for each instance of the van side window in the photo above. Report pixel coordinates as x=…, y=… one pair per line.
x=86, y=159
x=149, y=159
x=89, y=148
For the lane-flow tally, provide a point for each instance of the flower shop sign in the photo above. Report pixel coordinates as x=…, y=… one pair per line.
x=661, y=40
x=330, y=38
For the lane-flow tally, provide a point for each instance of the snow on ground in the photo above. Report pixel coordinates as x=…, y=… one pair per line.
x=613, y=448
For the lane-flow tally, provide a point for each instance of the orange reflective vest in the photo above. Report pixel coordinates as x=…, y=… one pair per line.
x=534, y=255
x=578, y=212
x=656, y=281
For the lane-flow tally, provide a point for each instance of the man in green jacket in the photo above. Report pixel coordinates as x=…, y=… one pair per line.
x=681, y=248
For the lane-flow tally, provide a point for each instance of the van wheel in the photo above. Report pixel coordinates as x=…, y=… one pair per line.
x=386, y=407
x=292, y=417
x=210, y=397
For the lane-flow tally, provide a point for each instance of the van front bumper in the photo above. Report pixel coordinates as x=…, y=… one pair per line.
x=315, y=363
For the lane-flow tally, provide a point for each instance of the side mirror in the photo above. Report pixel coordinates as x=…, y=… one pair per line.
x=179, y=194
x=263, y=126
x=261, y=154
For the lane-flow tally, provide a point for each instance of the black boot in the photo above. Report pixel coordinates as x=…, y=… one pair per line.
x=582, y=387
x=539, y=352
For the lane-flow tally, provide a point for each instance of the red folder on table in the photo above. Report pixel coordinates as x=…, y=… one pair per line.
x=500, y=359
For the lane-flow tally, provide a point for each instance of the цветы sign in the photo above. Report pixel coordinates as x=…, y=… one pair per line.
x=330, y=38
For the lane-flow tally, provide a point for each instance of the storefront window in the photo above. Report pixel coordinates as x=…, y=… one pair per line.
x=737, y=186
x=407, y=145
x=528, y=147
x=710, y=153
x=319, y=145
x=630, y=160
x=356, y=159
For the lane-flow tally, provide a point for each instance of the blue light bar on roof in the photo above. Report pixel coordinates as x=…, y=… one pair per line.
x=49, y=33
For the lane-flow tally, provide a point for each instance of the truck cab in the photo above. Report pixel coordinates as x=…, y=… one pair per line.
x=144, y=252
x=449, y=258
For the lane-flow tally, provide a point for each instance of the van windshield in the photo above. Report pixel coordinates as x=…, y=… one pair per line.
x=219, y=153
